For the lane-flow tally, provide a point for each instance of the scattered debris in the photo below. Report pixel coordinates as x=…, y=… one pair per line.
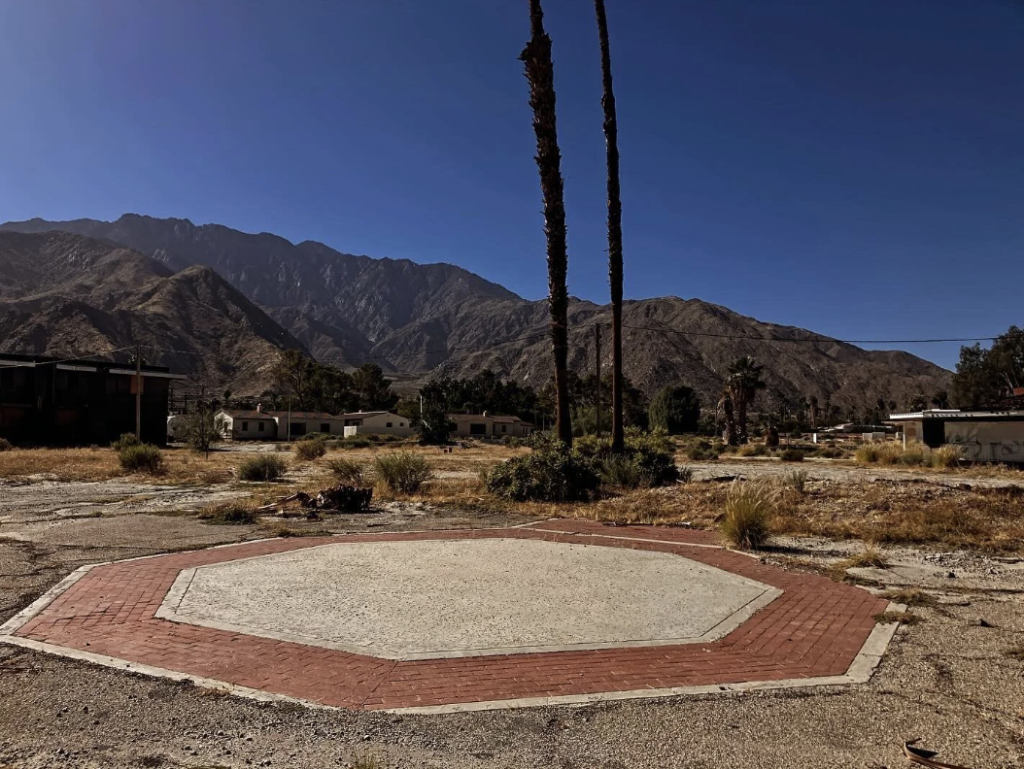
x=341, y=498
x=924, y=757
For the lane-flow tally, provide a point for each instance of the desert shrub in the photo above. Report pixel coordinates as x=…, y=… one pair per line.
x=791, y=455
x=311, y=449
x=5, y=445
x=262, y=467
x=346, y=471
x=402, y=471
x=749, y=508
x=914, y=456
x=126, y=440
x=512, y=441
x=753, y=450
x=229, y=514
x=702, y=450
x=551, y=474
x=685, y=474
x=315, y=436
x=141, y=458
x=830, y=453
x=796, y=480
x=354, y=442
x=947, y=456
x=648, y=460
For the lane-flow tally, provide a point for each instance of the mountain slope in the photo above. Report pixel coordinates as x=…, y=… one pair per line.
x=411, y=318
x=68, y=295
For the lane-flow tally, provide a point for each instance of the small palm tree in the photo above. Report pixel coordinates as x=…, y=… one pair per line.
x=725, y=405
x=744, y=381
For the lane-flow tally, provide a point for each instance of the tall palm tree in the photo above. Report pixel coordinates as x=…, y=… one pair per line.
x=744, y=381
x=611, y=136
x=536, y=58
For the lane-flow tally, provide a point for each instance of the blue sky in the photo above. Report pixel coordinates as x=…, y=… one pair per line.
x=853, y=168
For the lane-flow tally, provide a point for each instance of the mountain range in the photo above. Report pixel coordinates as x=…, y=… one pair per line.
x=219, y=303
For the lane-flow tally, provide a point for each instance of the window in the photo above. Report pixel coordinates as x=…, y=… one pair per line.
x=259, y=426
x=325, y=427
x=504, y=428
x=475, y=428
x=389, y=424
x=298, y=428
x=245, y=427
x=401, y=424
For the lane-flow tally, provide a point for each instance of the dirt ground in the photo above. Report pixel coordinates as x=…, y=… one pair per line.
x=953, y=678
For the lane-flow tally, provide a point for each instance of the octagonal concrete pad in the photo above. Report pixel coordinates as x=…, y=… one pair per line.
x=455, y=598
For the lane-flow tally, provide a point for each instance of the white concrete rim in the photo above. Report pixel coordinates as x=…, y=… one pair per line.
x=859, y=672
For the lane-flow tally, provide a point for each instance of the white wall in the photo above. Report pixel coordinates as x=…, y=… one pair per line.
x=988, y=441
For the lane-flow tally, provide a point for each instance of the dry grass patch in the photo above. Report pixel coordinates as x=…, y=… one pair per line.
x=900, y=617
x=749, y=509
x=909, y=596
x=867, y=558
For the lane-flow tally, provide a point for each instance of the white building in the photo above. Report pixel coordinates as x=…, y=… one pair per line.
x=247, y=425
x=376, y=423
x=488, y=426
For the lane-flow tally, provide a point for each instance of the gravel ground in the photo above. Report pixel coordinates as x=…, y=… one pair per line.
x=828, y=470
x=947, y=679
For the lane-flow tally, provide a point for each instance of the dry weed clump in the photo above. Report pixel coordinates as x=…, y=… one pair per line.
x=867, y=558
x=749, y=508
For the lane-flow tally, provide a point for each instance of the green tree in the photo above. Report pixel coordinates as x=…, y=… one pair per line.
x=744, y=381
x=434, y=428
x=984, y=377
x=536, y=58
x=372, y=389
x=675, y=410
x=940, y=399
x=304, y=384
x=919, y=402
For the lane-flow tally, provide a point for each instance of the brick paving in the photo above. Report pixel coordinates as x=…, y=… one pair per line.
x=816, y=628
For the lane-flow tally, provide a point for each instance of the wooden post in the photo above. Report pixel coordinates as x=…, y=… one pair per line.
x=597, y=366
x=138, y=392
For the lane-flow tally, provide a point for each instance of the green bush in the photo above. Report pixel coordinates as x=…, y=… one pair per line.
x=311, y=449
x=649, y=459
x=346, y=471
x=5, y=445
x=749, y=508
x=402, y=471
x=141, y=458
x=262, y=467
x=792, y=455
x=126, y=440
x=550, y=474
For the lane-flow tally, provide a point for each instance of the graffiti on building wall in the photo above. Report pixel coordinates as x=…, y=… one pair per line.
x=988, y=441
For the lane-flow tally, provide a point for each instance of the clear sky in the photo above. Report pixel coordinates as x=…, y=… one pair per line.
x=855, y=168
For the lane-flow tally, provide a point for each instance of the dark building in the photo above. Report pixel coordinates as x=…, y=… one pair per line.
x=44, y=401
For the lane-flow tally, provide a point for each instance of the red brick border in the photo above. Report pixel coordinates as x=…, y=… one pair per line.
x=816, y=628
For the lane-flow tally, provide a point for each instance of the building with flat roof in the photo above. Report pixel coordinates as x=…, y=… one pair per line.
x=984, y=435
x=46, y=401
x=489, y=426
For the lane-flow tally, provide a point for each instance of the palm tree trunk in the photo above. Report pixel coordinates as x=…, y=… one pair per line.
x=741, y=417
x=536, y=57
x=611, y=135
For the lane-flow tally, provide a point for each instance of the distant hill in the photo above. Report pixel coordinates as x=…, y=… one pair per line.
x=410, y=318
x=65, y=294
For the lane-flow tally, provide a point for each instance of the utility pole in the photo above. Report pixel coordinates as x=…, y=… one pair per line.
x=138, y=392
x=597, y=366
